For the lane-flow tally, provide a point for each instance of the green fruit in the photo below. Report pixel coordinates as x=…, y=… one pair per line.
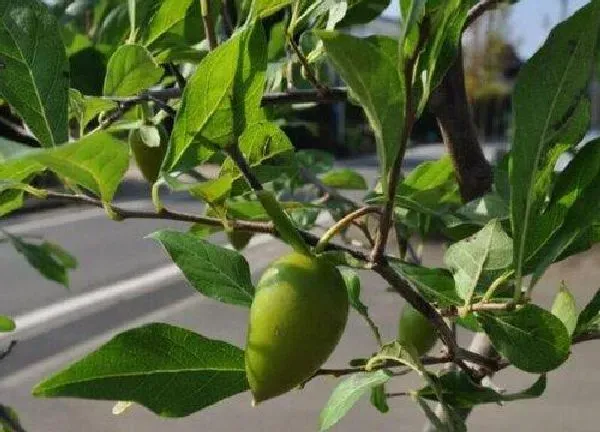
x=297, y=318
x=148, y=159
x=416, y=330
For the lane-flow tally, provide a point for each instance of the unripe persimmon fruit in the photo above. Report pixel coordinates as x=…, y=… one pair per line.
x=416, y=330
x=297, y=318
x=148, y=159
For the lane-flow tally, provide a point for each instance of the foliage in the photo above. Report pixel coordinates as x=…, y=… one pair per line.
x=184, y=84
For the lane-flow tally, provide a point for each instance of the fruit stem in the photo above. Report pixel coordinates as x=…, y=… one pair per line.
x=342, y=224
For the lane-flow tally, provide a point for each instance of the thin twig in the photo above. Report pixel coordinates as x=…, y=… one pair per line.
x=178, y=76
x=587, y=336
x=238, y=158
x=209, y=28
x=397, y=394
x=310, y=76
x=330, y=192
x=343, y=223
x=394, y=173
x=227, y=21
x=479, y=9
x=454, y=311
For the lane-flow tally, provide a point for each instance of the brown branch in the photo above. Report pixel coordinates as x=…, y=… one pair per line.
x=125, y=104
x=394, y=173
x=406, y=290
x=166, y=214
x=310, y=76
x=587, y=336
x=209, y=28
x=238, y=158
x=389, y=364
x=479, y=9
x=450, y=105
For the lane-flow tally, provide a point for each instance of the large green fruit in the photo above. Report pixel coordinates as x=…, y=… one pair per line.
x=148, y=159
x=416, y=330
x=297, y=318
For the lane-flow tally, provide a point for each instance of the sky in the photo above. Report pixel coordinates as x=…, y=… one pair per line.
x=530, y=21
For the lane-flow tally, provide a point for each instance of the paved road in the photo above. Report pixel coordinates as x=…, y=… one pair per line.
x=125, y=280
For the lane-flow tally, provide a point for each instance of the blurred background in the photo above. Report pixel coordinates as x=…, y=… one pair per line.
x=124, y=279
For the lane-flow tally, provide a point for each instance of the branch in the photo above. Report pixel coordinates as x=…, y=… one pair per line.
x=238, y=158
x=450, y=105
x=166, y=214
x=394, y=173
x=6, y=351
x=587, y=336
x=405, y=289
x=343, y=223
x=159, y=96
x=455, y=311
x=209, y=28
x=390, y=364
x=479, y=9
x=310, y=76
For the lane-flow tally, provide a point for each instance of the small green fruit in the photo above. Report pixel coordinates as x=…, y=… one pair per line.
x=416, y=330
x=297, y=318
x=148, y=159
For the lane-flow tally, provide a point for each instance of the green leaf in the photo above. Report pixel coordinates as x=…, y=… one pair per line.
x=363, y=11
x=412, y=12
x=347, y=393
x=477, y=261
x=461, y=392
x=6, y=324
x=353, y=286
x=169, y=14
x=344, y=178
x=531, y=338
x=399, y=353
x=9, y=420
x=316, y=161
x=87, y=108
x=52, y=261
x=479, y=212
x=553, y=81
x=15, y=171
x=436, y=285
x=214, y=271
x=169, y=370
x=34, y=77
x=565, y=309
x=379, y=399
x=214, y=191
x=574, y=207
x=221, y=99
x=264, y=8
x=130, y=70
x=97, y=162
x=445, y=28
x=589, y=315
x=376, y=82
x=259, y=143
